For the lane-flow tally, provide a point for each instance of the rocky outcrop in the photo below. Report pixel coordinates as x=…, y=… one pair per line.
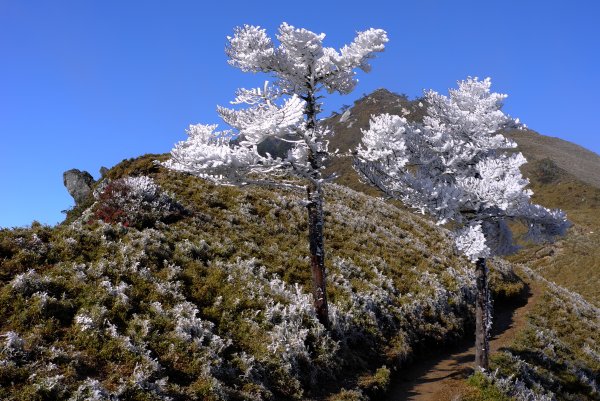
x=79, y=184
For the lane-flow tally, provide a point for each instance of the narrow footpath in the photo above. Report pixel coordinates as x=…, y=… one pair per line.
x=440, y=377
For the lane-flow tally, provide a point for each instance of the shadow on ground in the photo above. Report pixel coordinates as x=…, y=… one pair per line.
x=434, y=376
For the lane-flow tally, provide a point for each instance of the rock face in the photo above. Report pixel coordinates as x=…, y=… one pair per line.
x=79, y=184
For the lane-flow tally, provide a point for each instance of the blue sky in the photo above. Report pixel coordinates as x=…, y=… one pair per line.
x=86, y=84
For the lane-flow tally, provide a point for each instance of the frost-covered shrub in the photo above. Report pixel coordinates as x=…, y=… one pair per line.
x=29, y=282
x=91, y=390
x=42, y=300
x=294, y=340
x=517, y=389
x=116, y=291
x=12, y=347
x=289, y=334
x=188, y=326
x=91, y=318
x=50, y=386
x=372, y=307
x=135, y=201
x=369, y=301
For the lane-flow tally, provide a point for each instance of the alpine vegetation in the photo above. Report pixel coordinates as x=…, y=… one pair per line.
x=134, y=201
x=285, y=111
x=217, y=305
x=454, y=167
x=556, y=355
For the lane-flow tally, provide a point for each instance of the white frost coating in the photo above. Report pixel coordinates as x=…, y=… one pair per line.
x=84, y=322
x=208, y=151
x=265, y=119
x=13, y=345
x=301, y=54
x=28, y=282
x=286, y=110
x=471, y=242
x=452, y=167
x=384, y=139
x=91, y=390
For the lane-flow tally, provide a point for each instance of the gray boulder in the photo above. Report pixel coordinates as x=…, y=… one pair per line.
x=79, y=184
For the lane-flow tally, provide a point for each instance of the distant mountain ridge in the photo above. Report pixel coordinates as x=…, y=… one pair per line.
x=574, y=159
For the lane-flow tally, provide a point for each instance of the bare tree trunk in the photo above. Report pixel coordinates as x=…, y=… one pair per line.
x=317, y=252
x=482, y=318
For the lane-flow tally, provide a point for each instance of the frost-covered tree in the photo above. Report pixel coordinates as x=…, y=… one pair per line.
x=286, y=111
x=455, y=166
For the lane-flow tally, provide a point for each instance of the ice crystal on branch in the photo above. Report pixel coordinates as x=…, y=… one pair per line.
x=471, y=242
x=301, y=54
x=265, y=118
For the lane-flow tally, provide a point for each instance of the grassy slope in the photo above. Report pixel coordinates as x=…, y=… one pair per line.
x=574, y=159
x=215, y=305
x=557, y=353
x=573, y=262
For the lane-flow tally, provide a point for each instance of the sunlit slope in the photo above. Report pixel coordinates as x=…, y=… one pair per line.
x=192, y=291
x=574, y=261
x=581, y=163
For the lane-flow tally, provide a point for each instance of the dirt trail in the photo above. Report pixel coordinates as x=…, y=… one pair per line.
x=440, y=377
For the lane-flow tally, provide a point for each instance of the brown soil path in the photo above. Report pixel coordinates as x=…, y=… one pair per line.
x=440, y=377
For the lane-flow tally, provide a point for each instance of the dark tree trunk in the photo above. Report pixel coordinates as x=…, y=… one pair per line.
x=315, y=212
x=317, y=252
x=482, y=317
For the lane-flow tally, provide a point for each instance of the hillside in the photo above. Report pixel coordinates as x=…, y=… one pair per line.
x=166, y=287
x=574, y=159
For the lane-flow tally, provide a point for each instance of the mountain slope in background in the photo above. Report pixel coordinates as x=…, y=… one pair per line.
x=581, y=163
